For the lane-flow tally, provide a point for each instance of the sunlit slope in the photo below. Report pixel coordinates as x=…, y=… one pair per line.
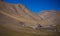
x=18, y=9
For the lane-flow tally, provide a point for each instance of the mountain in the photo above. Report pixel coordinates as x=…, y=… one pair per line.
x=17, y=20
x=19, y=12
x=49, y=17
x=22, y=14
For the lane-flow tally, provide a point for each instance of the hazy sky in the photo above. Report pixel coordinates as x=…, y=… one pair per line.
x=38, y=5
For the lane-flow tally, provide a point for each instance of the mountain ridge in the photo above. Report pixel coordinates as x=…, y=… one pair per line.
x=18, y=10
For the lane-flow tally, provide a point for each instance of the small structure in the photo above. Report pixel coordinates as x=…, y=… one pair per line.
x=38, y=26
x=22, y=23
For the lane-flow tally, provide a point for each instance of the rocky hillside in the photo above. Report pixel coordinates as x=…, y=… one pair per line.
x=50, y=17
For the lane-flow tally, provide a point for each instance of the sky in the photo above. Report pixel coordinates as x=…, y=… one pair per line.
x=37, y=5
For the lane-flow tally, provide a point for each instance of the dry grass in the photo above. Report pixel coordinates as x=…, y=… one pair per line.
x=24, y=32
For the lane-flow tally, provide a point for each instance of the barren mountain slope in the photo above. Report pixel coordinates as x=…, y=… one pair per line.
x=49, y=17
